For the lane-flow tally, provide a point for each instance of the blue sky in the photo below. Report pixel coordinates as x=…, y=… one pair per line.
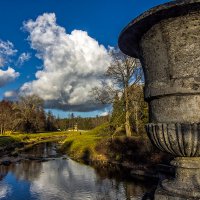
x=101, y=20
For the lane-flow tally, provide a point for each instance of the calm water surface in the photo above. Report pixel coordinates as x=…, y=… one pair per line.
x=61, y=178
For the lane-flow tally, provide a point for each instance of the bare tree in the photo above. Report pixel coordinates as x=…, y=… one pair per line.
x=6, y=116
x=104, y=94
x=138, y=107
x=124, y=71
x=27, y=111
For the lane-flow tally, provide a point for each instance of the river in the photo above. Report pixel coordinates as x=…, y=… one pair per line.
x=57, y=177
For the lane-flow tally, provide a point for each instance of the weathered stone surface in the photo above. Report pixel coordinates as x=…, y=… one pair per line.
x=186, y=185
x=131, y=35
x=170, y=52
x=166, y=39
x=174, y=45
x=176, y=139
x=187, y=181
x=175, y=109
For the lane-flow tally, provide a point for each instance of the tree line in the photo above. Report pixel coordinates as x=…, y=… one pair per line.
x=25, y=115
x=85, y=123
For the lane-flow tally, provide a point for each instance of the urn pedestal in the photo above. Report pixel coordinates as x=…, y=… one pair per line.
x=166, y=39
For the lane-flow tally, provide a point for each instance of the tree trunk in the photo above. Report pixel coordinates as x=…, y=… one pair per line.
x=127, y=123
x=1, y=129
x=136, y=118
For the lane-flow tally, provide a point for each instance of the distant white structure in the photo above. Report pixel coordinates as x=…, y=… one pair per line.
x=74, y=128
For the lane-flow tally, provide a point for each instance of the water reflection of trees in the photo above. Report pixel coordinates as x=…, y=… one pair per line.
x=42, y=150
x=30, y=170
x=120, y=180
x=3, y=171
x=66, y=179
x=27, y=170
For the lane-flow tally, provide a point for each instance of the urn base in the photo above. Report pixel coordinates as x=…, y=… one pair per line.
x=186, y=184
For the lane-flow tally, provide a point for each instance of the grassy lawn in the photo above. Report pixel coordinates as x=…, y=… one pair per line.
x=77, y=145
x=10, y=139
x=81, y=145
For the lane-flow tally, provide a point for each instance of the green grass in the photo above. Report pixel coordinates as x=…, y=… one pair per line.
x=81, y=145
x=10, y=139
x=76, y=145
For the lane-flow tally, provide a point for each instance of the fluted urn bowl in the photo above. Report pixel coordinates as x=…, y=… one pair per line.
x=166, y=39
x=177, y=139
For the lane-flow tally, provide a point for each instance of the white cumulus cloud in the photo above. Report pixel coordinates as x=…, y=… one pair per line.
x=73, y=64
x=7, y=76
x=6, y=50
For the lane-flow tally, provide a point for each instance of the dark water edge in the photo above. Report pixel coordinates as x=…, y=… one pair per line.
x=45, y=174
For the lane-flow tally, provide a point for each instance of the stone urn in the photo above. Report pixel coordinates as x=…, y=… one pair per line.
x=166, y=39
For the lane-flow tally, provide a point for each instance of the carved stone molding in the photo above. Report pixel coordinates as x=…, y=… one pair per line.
x=177, y=139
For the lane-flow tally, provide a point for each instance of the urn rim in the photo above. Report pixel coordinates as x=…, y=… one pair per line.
x=131, y=35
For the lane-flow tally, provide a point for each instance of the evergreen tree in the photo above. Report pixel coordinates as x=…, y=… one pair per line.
x=51, y=122
x=118, y=114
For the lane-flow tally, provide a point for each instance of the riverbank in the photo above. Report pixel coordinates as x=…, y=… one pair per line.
x=98, y=148
x=12, y=145
x=44, y=174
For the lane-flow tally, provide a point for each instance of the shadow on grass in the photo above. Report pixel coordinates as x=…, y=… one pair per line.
x=66, y=146
x=86, y=156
